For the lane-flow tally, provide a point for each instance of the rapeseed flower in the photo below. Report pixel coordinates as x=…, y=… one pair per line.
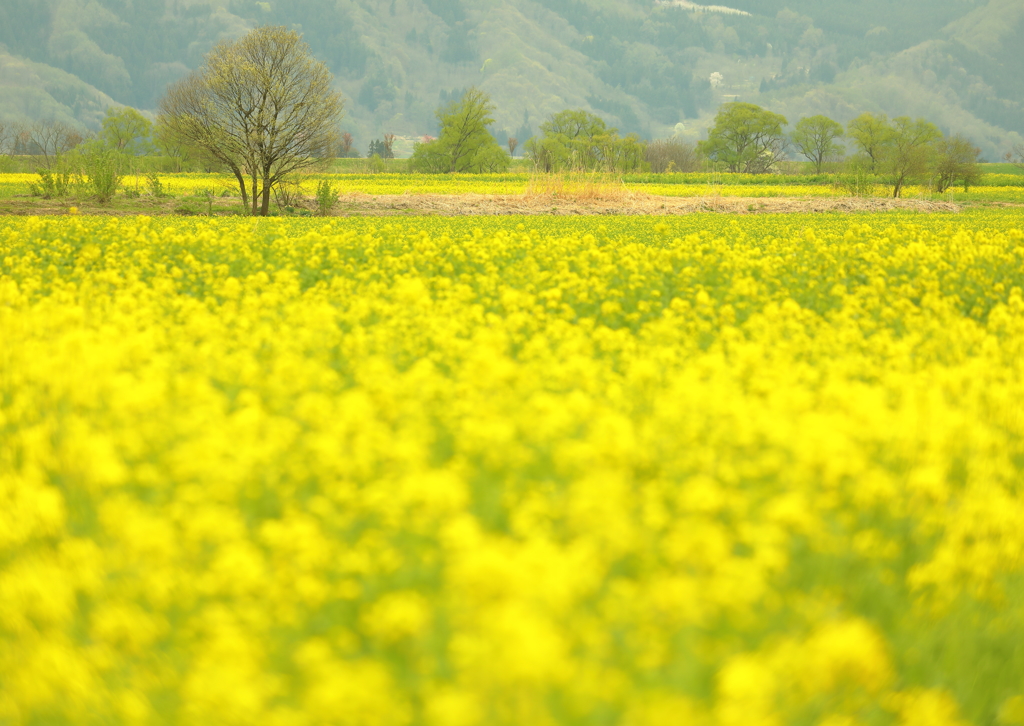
x=495, y=471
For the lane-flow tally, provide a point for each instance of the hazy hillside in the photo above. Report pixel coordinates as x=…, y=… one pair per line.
x=646, y=66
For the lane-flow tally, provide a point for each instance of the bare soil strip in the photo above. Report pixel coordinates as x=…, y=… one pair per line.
x=489, y=204
x=454, y=205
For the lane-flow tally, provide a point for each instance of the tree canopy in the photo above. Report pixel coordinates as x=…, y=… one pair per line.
x=910, y=152
x=260, y=105
x=746, y=138
x=956, y=160
x=128, y=131
x=873, y=136
x=464, y=144
x=578, y=139
x=815, y=138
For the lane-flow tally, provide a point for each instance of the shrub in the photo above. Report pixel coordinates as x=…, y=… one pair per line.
x=326, y=197
x=104, y=170
x=56, y=183
x=156, y=187
x=667, y=155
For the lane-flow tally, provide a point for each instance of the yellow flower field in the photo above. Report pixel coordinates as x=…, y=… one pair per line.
x=672, y=185
x=452, y=472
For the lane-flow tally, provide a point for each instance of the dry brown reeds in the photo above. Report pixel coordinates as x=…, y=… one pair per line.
x=580, y=186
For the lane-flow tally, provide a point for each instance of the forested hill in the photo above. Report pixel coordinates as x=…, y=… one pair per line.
x=646, y=66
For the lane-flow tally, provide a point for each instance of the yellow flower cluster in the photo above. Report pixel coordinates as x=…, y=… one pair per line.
x=457, y=472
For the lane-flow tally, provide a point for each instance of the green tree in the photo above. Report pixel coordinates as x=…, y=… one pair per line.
x=578, y=139
x=746, y=138
x=910, y=153
x=127, y=131
x=260, y=105
x=873, y=136
x=815, y=138
x=464, y=144
x=171, y=145
x=956, y=160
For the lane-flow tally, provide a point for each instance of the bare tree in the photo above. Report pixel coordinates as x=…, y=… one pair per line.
x=1016, y=156
x=513, y=142
x=671, y=155
x=7, y=139
x=389, y=144
x=345, y=144
x=260, y=105
x=51, y=138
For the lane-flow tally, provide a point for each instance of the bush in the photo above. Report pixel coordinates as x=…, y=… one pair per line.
x=672, y=155
x=56, y=183
x=375, y=165
x=104, y=170
x=326, y=197
x=156, y=187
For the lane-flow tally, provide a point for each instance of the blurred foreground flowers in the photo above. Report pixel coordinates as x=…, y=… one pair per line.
x=534, y=472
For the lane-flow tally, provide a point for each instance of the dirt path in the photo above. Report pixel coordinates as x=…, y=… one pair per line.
x=453, y=205
x=469, y=204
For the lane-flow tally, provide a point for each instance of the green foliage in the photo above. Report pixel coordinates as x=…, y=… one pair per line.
x=642, y=65
x=155, y=186
x=326, y=197
x=815, y=138
x=745, y=138
x=171, y=145
x=578, y=140
x=375, y=165
x=873, y=136
x=56, y=183
x=104, y=170
x=127, y=131
x=262, y=106
x=380, y=149
x=911, y=151
x=956, y=160
x=465, y=144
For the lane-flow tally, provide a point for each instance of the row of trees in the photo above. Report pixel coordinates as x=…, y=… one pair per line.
x=263, y=108
x=123, y=130
x=260, y=107
x=748, y=138
x=745, y=138
x=571, y=139
x=67, y=157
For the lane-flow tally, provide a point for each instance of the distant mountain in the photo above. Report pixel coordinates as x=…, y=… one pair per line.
x=655, y=67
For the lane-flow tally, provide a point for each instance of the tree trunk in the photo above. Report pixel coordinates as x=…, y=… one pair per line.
x=265, y=210
x=241, y=185
x=255, y=194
